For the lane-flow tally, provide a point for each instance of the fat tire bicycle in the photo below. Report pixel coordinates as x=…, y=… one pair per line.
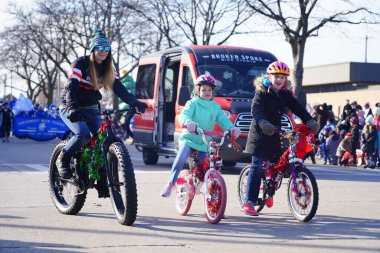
x=69, y=195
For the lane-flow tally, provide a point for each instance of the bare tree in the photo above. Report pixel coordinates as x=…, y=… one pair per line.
x=200, y=22
x=312, y=16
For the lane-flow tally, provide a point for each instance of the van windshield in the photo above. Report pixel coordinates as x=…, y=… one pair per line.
x=233, y=80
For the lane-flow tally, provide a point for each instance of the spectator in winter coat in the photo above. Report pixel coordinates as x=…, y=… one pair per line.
x=376, y=122
x=367, y=110
x=344, y=146
x=6, y=124
x=323, y=135
x=332, y=144
x=348, y=113
x=322, y=114
x=355, y=143
x=330, y=126
x=368, y=140
x=331, y=114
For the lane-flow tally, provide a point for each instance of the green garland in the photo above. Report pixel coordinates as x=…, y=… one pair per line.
x=92, y=157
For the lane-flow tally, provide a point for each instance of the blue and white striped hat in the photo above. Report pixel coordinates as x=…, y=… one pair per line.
x=98, y=38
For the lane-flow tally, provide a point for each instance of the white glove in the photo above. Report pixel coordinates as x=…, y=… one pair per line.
x=191, y=126
x=235, y=131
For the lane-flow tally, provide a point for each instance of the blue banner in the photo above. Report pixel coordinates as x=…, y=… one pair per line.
x=39, y=129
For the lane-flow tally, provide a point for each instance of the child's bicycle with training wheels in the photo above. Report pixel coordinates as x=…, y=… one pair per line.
x=106, y=152
x=303, y=195
x=189, y=182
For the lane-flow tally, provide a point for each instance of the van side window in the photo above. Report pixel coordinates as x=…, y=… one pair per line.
x=169, y=85
x=145, y=81
x=187, y=79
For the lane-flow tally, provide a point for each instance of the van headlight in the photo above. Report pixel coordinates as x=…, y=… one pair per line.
x=227, y=113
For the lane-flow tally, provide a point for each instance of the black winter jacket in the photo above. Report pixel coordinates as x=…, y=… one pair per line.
x=79, y=91
x=355, y=138
x=369, y=136
x=270, y=106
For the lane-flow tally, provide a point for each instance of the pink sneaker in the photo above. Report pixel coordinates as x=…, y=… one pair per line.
x=167, y=190
x=269, y=202
x=249, y=209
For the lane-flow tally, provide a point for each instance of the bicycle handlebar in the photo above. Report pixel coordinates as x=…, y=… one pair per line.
x=212, y=134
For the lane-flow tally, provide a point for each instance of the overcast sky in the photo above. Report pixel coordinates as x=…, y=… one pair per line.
x=328, y=48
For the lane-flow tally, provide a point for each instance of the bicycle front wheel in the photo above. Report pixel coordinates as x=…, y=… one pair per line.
x=184, y=193
x=216, y=198
x=123, y=190
x=303, y=195
x=242, y=189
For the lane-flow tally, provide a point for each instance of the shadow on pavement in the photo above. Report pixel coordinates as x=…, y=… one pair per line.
x=21, y=246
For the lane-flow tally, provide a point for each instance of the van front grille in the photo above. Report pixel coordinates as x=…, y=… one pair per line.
x=243, y=121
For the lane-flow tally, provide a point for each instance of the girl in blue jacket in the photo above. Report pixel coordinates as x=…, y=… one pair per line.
x=200, y=111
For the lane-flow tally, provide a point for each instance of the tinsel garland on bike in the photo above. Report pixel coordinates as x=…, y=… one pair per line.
x=92, y=157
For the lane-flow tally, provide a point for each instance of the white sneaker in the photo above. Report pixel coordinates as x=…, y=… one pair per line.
x=167, y=190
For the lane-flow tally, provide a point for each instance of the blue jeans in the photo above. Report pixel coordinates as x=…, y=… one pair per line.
x=82, y=130
x=254, y=179
x=184, y=152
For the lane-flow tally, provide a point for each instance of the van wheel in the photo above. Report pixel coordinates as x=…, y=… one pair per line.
x=229, y=163
x=149, y=156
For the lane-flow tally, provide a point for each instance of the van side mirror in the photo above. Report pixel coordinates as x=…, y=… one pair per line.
x=184, y=95
x=302, y=98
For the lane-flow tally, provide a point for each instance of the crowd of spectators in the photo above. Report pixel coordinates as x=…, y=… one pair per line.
x=353, y=138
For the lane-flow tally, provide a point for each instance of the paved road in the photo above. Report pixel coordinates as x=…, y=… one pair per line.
x=348, y=218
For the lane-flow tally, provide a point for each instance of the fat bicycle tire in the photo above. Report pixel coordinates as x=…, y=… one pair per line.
x=122, y=189
x=242, y=189
x=67, y=197
x=216, y=205
x=304, y=203
x=183, y=200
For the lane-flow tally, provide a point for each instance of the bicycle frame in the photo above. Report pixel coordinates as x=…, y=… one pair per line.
x=213, y=147
x=110, y=137
x=207, y=171
x=292, y=159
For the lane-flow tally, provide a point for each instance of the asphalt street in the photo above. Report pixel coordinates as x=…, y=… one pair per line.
x=347, y=220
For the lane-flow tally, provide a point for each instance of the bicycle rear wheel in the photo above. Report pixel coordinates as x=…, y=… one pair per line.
x=67, y=197
x=216, y=204
x=242, y=189
x=123, y=190
x=184, y=193
x=303, y=195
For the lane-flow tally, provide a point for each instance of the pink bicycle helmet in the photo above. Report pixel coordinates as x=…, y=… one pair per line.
x=206, y=79
x=278, y=67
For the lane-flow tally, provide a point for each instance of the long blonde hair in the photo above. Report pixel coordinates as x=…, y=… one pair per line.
x=108, y=77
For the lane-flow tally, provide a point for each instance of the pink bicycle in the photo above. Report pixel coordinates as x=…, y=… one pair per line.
x=190, y=182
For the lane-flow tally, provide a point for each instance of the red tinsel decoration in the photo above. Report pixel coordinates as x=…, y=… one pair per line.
x=201, y=168
x=282, y=165
x=93, y=142
x=306, y=139
x=104, y=126
x=303, y=147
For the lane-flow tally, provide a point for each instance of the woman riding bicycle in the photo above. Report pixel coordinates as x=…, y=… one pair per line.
x=271, y=98
x=202, y=110
x=80, y=100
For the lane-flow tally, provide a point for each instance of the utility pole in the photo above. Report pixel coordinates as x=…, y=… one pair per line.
x=366, y=42
x=11, y=86
x=5, y=86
